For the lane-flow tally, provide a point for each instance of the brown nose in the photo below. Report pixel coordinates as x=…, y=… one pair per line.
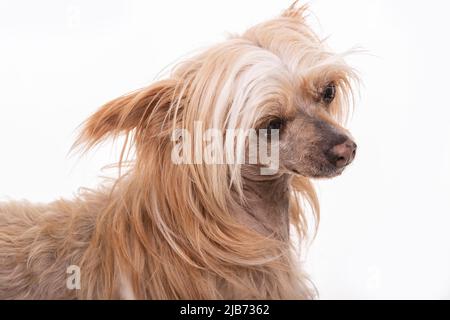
x=342, y=154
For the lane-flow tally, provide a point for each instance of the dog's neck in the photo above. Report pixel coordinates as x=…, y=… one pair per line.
x=267, y=207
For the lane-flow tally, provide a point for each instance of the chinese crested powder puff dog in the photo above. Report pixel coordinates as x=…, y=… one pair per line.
x=176, y=225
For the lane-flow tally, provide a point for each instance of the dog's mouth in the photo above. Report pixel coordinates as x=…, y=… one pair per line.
x=329, y=174
x=320, y=170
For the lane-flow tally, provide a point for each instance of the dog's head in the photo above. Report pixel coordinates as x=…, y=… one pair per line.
x=305, y=91
x=277, y=76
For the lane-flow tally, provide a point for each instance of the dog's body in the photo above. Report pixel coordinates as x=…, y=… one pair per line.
x=39, y=243
x=195, y=231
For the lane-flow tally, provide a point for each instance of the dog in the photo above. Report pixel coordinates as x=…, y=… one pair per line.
x=196, y=230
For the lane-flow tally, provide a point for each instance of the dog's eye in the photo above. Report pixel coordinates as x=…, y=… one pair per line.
x=275, y=124
x=329, y=93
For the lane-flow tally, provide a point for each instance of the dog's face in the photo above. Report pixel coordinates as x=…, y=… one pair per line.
x=311, y=142
x=307, y=91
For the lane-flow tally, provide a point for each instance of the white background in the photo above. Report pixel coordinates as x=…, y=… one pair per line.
x=385, y=228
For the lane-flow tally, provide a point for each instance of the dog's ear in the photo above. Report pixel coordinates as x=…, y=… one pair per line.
x=134, y=111
x=295, y=10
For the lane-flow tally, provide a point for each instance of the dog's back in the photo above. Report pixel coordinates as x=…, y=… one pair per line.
x=38, y=243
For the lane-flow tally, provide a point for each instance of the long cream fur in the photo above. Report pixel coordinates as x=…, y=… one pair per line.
x=165, y=231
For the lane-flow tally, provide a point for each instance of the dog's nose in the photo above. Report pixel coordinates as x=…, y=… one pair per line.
x=342, y=154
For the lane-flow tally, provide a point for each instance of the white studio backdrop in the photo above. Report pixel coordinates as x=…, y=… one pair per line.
x=385, y=226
